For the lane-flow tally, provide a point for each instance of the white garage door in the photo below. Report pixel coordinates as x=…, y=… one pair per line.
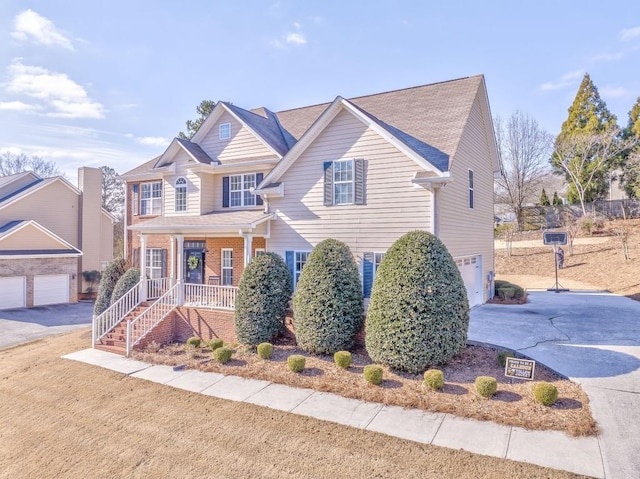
x=50, y=289
x=13, y=292
x=471, y=270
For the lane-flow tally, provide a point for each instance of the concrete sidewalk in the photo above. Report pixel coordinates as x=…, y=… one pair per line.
x=545, y=448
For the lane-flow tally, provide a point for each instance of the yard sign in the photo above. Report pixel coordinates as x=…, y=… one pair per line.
x=519, y=368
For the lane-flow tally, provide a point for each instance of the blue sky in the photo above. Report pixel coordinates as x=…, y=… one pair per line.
x=94, y=83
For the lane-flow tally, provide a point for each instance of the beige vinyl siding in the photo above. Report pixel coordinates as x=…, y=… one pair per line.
x=54, y=206
x=106, y=238
x=193, y=193
x=393, y=205
x=15, y=185
x=29, y=237
x=468, y=231
x=208, y=193
x=241, y=146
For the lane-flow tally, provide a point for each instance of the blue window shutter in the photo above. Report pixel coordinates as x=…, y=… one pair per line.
x=367, y=274
x=359, y=167
x=328, y=183
x=289, y=258
x=259, y=177
x=225, y=191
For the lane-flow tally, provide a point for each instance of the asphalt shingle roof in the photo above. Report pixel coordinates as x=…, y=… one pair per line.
x=195, y=150
x=24, y=188
x=267, y=127
x=10, y=225
x=220, y=219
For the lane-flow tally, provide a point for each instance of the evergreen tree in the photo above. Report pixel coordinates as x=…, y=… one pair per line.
x=556, y=201
x=204, y=109
x=576, y=153
x=544, y=199
x=631, y=160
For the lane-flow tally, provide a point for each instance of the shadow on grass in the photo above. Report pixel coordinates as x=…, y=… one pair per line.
x=567, y=266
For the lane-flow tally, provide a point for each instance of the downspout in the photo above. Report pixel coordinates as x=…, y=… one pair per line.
x=435, y=216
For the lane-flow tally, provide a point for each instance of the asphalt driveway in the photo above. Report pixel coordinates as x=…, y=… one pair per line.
x=592, y=338
x=20, y=326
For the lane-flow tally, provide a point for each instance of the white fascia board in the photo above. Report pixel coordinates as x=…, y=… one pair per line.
x=253, y=132
x=239, y=167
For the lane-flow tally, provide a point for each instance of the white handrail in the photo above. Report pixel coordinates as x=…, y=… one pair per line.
x=107, y=320
x=157, y=287
x=210, y=296
x=143, y=324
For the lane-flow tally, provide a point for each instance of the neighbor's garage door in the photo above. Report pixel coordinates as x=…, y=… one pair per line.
x=13, y=292
x=471, y=270
x=50, y=289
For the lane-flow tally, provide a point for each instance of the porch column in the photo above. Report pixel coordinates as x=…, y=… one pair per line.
x=435, y=213
x=173, y=260
x=248, y=242
x=180, y=268
x=143, y=267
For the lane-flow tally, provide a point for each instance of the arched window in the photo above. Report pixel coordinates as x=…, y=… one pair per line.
x=181, y=194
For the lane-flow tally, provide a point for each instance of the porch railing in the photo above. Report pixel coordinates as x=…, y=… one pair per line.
x=105, y=322
x=210, y=296
x=157, y=287
x=143, y=324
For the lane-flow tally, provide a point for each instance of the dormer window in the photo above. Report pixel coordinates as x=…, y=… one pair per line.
x=224, y=131
x=181, y=194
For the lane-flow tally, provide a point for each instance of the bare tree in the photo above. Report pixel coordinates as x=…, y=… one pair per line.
x=584, y=158
x=622, y=231
x=524, y=152
x=10, y=164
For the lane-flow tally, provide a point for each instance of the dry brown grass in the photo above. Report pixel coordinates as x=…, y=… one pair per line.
x=512, y=405
x=63, y=419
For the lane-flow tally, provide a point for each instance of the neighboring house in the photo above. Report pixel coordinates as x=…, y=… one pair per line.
x=50, y=232
x=364, y=170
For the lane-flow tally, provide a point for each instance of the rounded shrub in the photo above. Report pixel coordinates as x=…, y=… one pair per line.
x=486, y=386
x=215, y=344
x=222, y=355
x=296, y=363
x=434, y=379
x=265, y=350
x=372, y=374
x=114, y=270
x=342, y=359
x=127, y=281
x=328, y=304
x=545, y=393
x=504, y=289
x=194, y=342
x=502, y=357
x=419, y=314
x=262, y=299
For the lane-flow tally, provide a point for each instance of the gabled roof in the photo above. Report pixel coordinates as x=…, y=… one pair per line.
x=20, y=190
x=194, y=151
x=266, y=127
x=16, y=227
x=35, y=186
x=212, y=221
x=5, y=180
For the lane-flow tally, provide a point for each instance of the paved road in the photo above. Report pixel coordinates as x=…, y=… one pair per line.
x=20, y=326
x=592, y=338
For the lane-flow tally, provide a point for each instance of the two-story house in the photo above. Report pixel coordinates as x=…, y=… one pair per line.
x=363, y=170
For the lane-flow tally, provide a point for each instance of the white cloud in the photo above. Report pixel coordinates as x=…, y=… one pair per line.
x=18, y=106
x=566, y=80
x=58, y=95
x=613, y=92
x=629, y=34
x=295, y=38
x=29, y=26
x=152, y=140
x=607, y=57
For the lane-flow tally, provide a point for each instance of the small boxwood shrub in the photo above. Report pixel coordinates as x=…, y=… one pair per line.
x=215, y=344
x=419, y=313
x=265, y=350
x=486, y=386
x=503, y=288
x=545, y=393
x=262, y=299
x=194, y=342
x=110, y=277
x=222, y=355
x=502, y=357
x=372, y=374
x=434, y=379
x=342, y=359
x=328, y=304
x=296, y=363
x=127, y=281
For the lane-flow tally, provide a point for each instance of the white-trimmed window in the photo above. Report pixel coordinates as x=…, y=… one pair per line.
x=258, y=252
x=300, y=259
x=181, y=194
x=471, y=189
x=226, y=256
x=151, y=198
x=239, y=186
x=135, y=199
x=343, y=182
x=224, y=131
x=154, y=263
x=377, y=259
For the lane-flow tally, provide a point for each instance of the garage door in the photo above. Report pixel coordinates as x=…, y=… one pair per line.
x=13, y=292
x=471, y=270
x=50, y=289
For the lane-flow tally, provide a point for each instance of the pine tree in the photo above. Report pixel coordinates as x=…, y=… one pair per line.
x=631, y=161
x=556, y=201
x=204, y=109
x=544, y=199
x=588, y=118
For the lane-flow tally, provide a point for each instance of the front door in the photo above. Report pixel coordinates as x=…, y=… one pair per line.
x=194, y=266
